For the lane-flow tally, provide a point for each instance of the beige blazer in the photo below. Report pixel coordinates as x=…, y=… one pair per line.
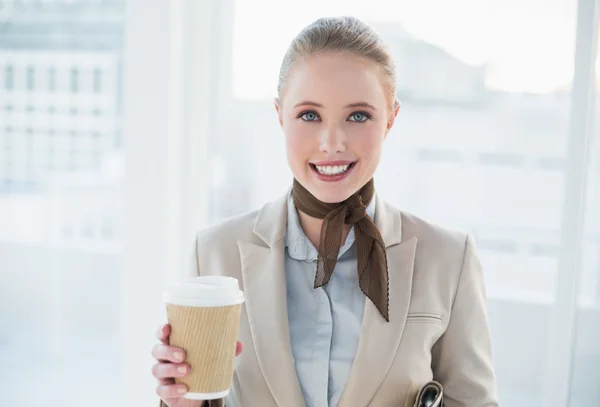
x=438, y=325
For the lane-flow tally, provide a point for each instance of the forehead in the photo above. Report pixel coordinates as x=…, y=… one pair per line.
x=335, y=80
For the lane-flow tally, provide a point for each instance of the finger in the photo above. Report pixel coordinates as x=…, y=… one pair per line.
x=172, y=401
x=169, y=401
x=170, y=391
x=238, y=348
x=167, y=380
x=169, y=370
x=168, y=353
x=163, y=333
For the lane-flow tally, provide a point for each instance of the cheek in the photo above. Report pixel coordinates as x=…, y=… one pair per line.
x=298, y=143
x=368, y=144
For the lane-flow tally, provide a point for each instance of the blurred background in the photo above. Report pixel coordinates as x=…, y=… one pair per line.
x=127, y=125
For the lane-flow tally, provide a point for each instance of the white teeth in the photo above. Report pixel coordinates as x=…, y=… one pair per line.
x=332, y=170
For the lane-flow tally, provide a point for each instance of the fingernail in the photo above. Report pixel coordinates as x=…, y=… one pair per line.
x=178, y=356
x=182, y=369
x=181, y=390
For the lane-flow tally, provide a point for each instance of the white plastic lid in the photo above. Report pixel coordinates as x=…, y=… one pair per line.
x=205, y=291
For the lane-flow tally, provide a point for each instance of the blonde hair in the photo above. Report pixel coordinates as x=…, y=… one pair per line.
x=341, y=34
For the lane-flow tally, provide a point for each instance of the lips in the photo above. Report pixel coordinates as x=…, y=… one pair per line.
x=332, y=171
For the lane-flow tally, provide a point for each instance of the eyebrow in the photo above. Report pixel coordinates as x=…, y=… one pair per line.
x=361, y=104
x=315, y=104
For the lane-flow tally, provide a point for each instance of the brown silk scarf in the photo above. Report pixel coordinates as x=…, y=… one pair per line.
x=370, y=248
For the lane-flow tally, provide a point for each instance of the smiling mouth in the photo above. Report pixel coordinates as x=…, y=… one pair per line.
x=332, y=170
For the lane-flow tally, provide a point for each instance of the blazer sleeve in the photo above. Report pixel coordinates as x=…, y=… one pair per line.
x=462, y=357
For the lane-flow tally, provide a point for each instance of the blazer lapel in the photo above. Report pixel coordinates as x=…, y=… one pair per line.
x=263, y=273
x=379, y=339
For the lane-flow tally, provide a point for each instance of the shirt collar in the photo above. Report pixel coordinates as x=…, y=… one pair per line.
x=296, y=241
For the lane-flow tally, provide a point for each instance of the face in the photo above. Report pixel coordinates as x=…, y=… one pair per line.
x=335, y=114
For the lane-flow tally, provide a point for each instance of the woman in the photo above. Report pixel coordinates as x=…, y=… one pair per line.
x=349, y=301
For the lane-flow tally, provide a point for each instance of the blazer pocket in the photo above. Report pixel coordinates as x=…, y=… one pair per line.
x=424, y=317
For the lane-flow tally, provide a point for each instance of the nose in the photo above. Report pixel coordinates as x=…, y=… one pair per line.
x=333, y=140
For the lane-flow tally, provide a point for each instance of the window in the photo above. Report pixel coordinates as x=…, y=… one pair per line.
x=48, y=52
x=74, y=86
x=30, y=78
x=586, y=370
x=52, y=79
x=9, y=77
x=97, y=80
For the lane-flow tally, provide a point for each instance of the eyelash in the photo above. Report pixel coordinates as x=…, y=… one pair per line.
x=367, y=115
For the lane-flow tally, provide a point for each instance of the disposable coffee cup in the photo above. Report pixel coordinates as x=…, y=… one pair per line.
x=204, y=314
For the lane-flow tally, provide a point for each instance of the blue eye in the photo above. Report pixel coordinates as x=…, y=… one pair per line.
x=359, y=117
x=309, y=116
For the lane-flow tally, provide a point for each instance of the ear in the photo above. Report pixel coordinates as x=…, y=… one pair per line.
x=277, y=104
x=392, y=117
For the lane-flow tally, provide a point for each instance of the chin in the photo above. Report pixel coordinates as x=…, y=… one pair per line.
x=331, y=194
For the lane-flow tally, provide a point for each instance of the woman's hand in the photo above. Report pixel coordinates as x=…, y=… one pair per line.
x=171, y=364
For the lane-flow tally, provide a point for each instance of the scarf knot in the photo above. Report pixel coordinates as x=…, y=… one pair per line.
x=355, y=210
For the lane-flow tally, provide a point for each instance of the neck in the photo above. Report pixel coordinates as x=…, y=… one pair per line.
x=312, y=228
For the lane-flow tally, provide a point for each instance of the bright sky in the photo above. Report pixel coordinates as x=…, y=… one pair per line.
x=527, y=44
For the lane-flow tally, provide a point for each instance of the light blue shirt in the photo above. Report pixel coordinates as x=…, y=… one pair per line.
x=324, y=322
